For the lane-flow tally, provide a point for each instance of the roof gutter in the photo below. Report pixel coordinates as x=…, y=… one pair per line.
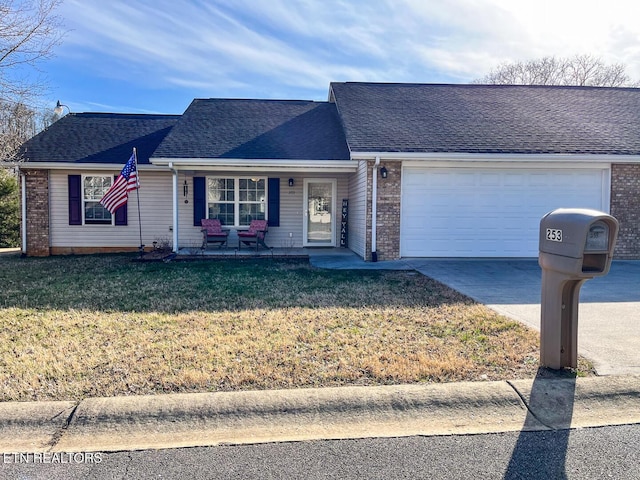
x=85, y=166
x=174, y=202
x=498, y=157
x=163, y=165
x=258, y=164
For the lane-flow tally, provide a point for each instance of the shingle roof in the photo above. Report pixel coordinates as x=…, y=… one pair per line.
x=99, y=138
x=489, y=118
x=257, y=129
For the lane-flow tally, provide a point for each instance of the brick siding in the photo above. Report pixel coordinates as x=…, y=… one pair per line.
x=625, y=206
x=388, y=214
x=37, y=186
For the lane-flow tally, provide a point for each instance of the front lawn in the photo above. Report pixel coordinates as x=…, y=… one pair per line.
x=80, y=326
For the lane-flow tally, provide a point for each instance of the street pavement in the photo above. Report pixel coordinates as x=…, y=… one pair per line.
x=581, y=454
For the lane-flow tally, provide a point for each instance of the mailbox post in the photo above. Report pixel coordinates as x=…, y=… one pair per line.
x=575, y=246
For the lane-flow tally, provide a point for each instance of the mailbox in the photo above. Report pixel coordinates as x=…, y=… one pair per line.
x=576, y=244
x=577, y=241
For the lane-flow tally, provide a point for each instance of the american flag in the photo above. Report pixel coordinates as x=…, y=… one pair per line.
x=118, y=194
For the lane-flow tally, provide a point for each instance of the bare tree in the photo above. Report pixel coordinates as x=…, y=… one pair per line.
x=17, y=124
x=29, y=31
x=582, y=70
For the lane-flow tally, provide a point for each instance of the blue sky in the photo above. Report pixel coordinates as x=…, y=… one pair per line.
x=155, y=56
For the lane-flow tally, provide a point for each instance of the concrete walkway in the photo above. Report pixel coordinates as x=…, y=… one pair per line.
x=609, y=312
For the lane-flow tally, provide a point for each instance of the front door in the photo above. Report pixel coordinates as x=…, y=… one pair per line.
x=319, y=212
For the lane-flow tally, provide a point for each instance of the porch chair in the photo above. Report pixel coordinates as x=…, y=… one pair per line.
x=212, y=233
x=256, y=233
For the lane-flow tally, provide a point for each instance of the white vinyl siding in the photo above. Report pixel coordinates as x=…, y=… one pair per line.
x=357, y=220
x=291, y=210
x=490, y=211
x=155, y=209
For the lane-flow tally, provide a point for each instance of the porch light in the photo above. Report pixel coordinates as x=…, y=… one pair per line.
x=384, y=172
x=60, y=108
x=291, y=182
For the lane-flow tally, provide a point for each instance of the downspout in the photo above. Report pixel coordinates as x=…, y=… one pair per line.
x=175, y=207
x=23, y=194
x=374, y=211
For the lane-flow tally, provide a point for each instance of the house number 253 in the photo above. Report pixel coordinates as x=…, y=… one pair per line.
x=554, y=234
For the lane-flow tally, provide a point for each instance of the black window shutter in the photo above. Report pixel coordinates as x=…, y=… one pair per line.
x=273, y=204
x=75, y=199
x=199, y=200
x=121, y=213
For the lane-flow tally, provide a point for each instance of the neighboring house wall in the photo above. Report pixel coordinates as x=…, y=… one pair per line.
x=37, y=193
x=625, y=206
x=357, y=219
x=155, y=210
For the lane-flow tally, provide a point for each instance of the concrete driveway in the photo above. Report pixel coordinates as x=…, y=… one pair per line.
x=608, y=315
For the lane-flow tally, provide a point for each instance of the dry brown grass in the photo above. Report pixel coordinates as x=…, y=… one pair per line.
x=214, y=325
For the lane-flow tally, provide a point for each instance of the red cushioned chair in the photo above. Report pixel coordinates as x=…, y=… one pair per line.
x=212, y=233
x=255, y=235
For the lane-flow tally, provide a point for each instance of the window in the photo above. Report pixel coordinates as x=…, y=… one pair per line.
x=236, y=201
x=93, y=189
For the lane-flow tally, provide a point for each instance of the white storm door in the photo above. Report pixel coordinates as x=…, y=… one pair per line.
x=319, y=224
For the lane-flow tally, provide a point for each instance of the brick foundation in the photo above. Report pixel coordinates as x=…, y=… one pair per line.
x=625, y=206
x=37, y=186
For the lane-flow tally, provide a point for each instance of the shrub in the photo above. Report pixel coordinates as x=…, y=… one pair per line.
x=9, y=210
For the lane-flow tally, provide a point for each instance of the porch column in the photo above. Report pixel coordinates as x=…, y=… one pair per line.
x=175, y=207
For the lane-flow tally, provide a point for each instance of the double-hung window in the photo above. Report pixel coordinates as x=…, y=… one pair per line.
x=93, y=189
x=236, y=201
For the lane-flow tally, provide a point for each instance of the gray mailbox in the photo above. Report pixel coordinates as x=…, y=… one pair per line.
x=576, y=244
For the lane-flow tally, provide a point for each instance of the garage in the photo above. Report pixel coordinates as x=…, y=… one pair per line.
x=490, y=211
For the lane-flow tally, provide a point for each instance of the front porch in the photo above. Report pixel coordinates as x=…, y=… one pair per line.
x=338, y=258
x=251, y=252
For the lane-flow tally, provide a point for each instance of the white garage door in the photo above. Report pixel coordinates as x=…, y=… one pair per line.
x=476, y=212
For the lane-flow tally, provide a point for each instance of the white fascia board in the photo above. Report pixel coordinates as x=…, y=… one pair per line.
x=498, y=157
x=505, y=164
x=83, y=166
x=257, y=165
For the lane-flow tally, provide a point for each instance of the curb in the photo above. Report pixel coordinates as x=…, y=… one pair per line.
x=206, y=419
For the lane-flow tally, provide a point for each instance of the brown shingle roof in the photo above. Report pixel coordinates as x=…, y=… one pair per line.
x=489, y=118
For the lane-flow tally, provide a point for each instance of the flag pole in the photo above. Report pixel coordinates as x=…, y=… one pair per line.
x=135, y=157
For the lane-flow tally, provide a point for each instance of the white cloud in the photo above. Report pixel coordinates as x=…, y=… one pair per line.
x=244, y=45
